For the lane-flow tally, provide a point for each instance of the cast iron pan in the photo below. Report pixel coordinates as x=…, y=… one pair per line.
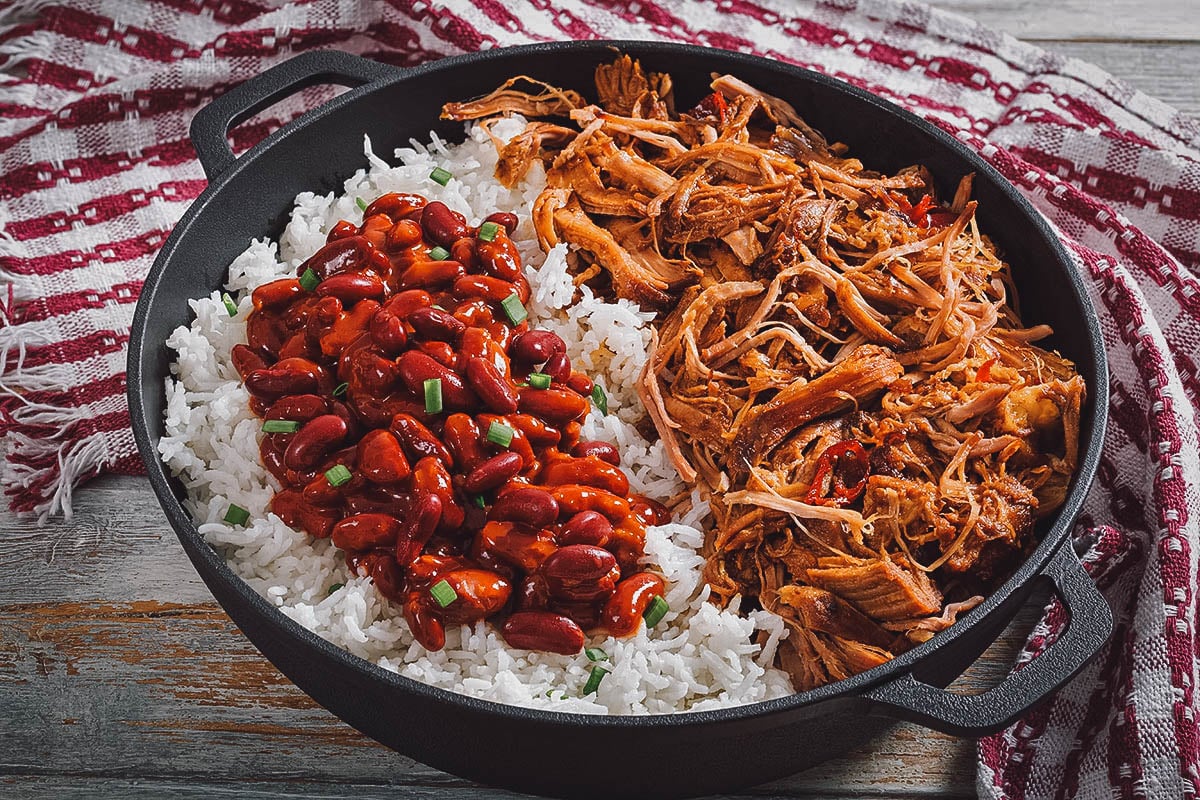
x=569, y=754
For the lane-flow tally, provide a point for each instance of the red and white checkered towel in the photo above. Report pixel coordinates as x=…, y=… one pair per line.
x=95, y=167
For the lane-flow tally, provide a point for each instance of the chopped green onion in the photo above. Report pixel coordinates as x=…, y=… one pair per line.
x=500, y=434
x=441, y=176
x=539, y=380
x=600, y=399
x=309, y=280
x=340, y=389
x=280, y=426
x=595, y=654
x=362, y=204
x=230, y=306
x=488, y=231
x=514, y=309
x=334, y=588
x=433, y=396
x=439, y=253
x=593, y=681
x=236, y=515
x=479, y=501
x=657, y=609
x=337, y=475
x=443, y=593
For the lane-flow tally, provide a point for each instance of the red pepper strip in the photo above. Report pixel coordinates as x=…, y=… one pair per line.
x=920, y=212
x=984, y=373
x=830, y=466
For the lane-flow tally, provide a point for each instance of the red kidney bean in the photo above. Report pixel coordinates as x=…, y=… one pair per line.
x=442, y=225
x=314, y=441
x=246, y=359
x=350, y=287
x=380, y=458
x=529, y=506
x=431, y=274
x=288, y=376
x=586, y=527
x=464, y=441
x=480, y=593
x=402, y=235
x=574, y=498
x=348, y=327
x=430, y=475
x=580, y=384
x=585, y=472
x=553, y=405
x=397, y=205
x=351, y=254
x=426, y=628
x=535, y=346
x=441, y=352
x=276, y=294
x=491, y=289
x=499, y=257
x=418, y=527
x=366, y=531
x=387, y=331
x=372, y=374
x=542, y=630
x=418, y=441
x=504, y=218
x=650, y=512
x=298, y=407
x=493, y=389
x=533, y=594
x=624, y=609
x=558, y=367
x=519, y=444
x=404, y=303
x=295, y=510
x=416, y=368
x=492, y=473
x=535, y=430
x=433, y=323
x=386, y=576
x=601, y=450
x=511, y=543
x=580, y=572
x=375, y=229
x=341, y=230
x=463, y=251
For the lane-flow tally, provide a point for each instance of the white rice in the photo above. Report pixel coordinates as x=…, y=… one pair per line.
x=699, y=657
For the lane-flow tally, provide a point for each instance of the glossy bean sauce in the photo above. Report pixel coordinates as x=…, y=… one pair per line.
x=539, y=534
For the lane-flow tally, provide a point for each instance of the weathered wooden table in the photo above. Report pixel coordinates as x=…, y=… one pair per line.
x=120, y=676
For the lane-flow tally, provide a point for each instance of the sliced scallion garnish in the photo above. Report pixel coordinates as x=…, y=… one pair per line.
x=654, y=612
x=593, y=682
x=433, y=396
x=337, y=475
x=539, y=380
x=479, y=501
x=236, y=515
x=439, y=253
x=280, y=426
x=514, y=309
x=440, y=176
x=334, y=588
x=600, y=399
x=595, y=654
x=309, y=280
x=230, y=306
x=488, y=231
x=443, y=593
x=340, y=389
x=499, y=434
x=362, y=204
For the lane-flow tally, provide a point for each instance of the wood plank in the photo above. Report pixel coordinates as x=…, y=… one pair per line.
x=1164, y=71
x=154, y=669
x=1117, y=20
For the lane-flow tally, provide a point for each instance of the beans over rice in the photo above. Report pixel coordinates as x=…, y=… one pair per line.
x=697, y=657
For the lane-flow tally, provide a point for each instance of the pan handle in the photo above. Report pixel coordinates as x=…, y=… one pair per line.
x=1087, y=630
x=210, y=127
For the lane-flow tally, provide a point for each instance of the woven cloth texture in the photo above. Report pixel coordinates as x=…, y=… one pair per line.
x=95, y=168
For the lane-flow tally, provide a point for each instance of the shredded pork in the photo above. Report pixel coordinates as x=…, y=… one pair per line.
x=809, y=307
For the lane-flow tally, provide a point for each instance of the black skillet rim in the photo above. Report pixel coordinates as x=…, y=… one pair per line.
x=1095, y=413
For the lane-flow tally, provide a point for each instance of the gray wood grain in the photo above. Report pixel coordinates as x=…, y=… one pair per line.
x=1114, y=20
x=1162, y=70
